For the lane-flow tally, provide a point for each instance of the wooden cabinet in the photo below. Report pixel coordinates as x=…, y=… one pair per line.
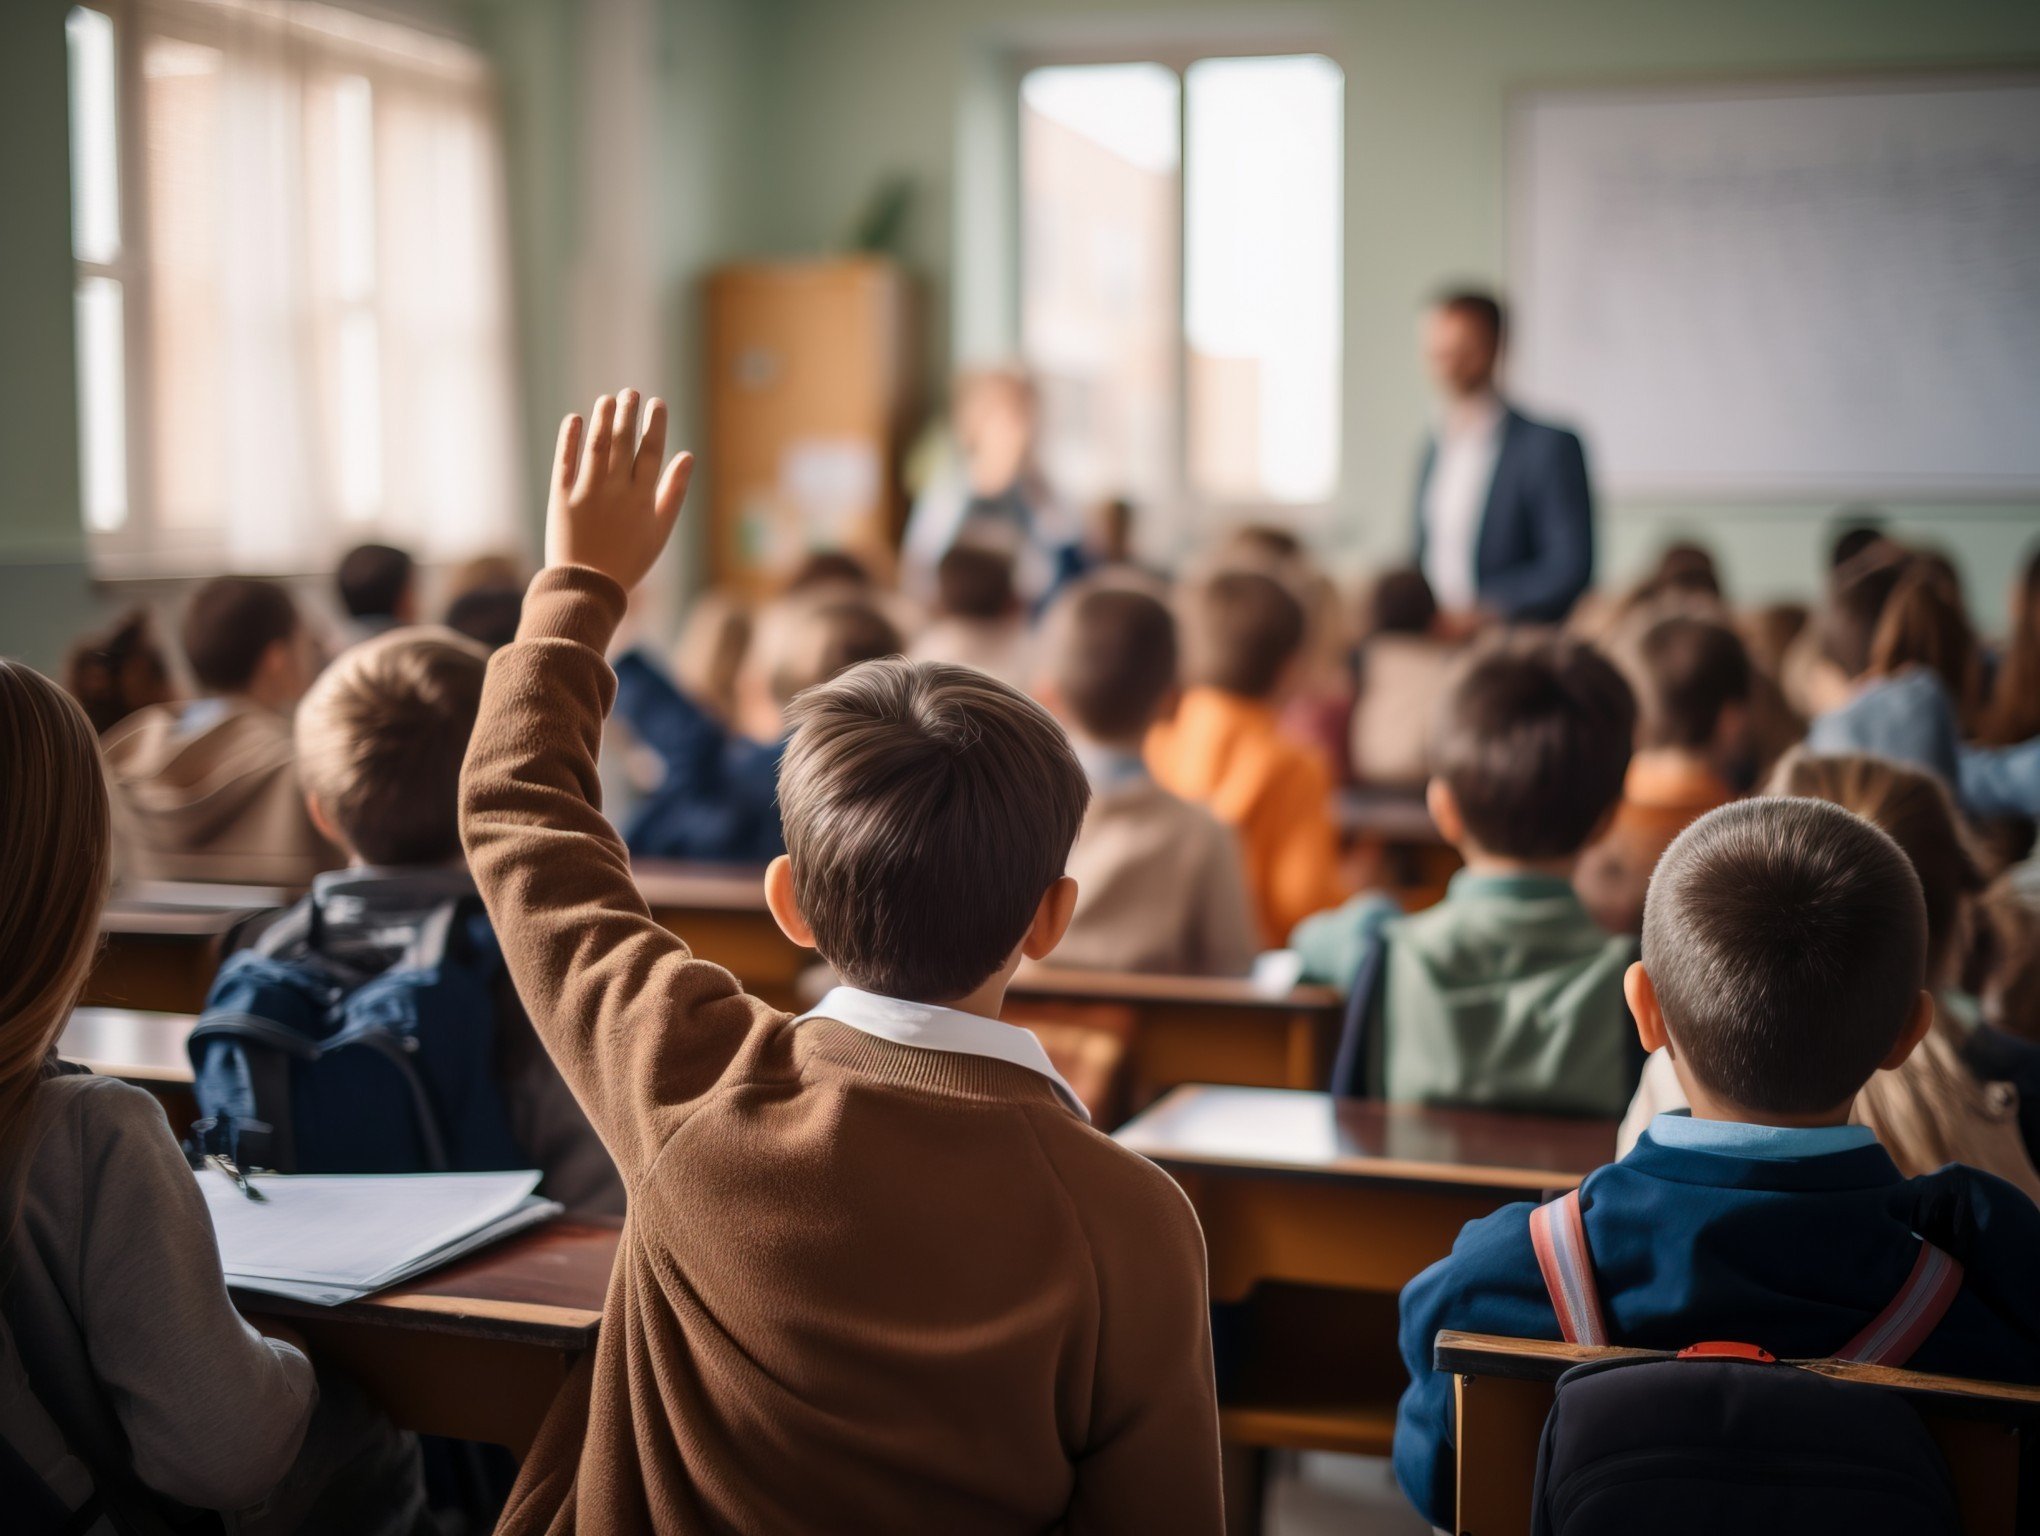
x=810, y=369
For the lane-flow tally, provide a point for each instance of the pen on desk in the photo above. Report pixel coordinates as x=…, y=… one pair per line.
x=226, y=1166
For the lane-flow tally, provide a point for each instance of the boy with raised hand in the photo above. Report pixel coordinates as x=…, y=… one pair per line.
x=878, y=1273
x=1784, y=946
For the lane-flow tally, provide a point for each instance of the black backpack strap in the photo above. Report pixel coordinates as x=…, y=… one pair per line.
x=1356, y=1066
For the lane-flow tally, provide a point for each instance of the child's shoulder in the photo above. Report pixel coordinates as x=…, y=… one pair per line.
x=80, y=1113
x=1116, y=1192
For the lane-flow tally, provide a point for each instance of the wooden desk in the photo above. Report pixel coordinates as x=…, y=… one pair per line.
x=163, y=940
x=1190, y=1029
x=719, y=909
x=1503, y=1392
x=146, y=1049
x=475, y=1351
x=1316, y=1212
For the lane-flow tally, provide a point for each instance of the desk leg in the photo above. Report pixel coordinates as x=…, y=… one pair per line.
x=1245, y=1470
x=1499, y=1425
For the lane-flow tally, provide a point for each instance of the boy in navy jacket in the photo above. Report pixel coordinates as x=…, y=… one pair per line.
x=1783, y=956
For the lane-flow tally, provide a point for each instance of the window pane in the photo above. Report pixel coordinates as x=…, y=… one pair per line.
x=102, y=403
x=354, y=177
x=95, y=156
x=358, y=426
x=1262, y=253
x=1099, y=163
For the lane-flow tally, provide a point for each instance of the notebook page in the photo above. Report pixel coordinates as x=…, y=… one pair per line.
x=353, y=1231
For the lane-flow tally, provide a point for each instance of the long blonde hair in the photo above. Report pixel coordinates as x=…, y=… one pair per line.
x=55, y=866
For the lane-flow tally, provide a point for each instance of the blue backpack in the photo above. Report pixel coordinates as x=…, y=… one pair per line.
x=307, y=1064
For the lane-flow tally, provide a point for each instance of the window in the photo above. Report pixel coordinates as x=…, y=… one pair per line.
x=1181, y=242
x=292, y=300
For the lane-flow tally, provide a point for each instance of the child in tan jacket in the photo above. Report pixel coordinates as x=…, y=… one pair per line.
x=878, y=1273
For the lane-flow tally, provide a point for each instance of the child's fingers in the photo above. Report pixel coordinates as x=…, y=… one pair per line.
x=653, y=448
x=623, y=444
x=673, y=490
x=601, y=431
x=567, y=457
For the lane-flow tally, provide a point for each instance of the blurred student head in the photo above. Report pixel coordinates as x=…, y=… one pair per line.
x=1857, y=593
x=118, y=670
x=1399, y=602
x=1109, y=662
x=378, y=585
x=1924, y=624
x=2014, y=713
x=1243, y=632
x=800, y=643
x=1855, y=529
x=243, y=638
x=975, y=581
x=1693, y=678
x=827, y=571
x=710, y=652
x=487, y=615
x=1464, y=330
x=380, y=739
x=1529, y=749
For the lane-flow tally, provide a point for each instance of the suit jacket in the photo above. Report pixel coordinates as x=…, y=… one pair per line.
x=1535, y=552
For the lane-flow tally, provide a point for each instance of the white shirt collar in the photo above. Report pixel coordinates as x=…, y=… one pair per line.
x=931, y=1027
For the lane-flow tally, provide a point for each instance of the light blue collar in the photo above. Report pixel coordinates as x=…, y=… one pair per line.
x=1467, y=882
x=1766, y=1143
x=1109, y=768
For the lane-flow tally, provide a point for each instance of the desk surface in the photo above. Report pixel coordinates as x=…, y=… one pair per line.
x=674, y=883
x=543, y=1287
x=187, y=909
x=1065, y=983
x=126, y=1043
x=1313, y=1135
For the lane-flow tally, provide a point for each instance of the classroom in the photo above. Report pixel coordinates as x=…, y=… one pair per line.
x=1165, y=766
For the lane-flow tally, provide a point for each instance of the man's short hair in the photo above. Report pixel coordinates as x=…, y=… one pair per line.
x=1533, y=739
x=372, y=580
x=1112, y=659
x=380, y=739
x=229, y=626
x=973, y=581
x=806, y=641
x=1477, y=304
x=927, y=809
x=1688, y=670
x=1786, y=940
x=1241, y=628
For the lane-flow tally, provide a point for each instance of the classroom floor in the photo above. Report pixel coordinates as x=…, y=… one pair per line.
x=1321, y=1495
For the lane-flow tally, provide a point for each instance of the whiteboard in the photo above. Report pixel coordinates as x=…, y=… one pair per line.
x=1795, y=290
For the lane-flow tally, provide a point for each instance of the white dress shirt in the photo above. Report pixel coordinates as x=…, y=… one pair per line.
x=1455, y=499
x=931, y=1027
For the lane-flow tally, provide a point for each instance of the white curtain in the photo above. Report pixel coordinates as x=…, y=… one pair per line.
x=321, y=341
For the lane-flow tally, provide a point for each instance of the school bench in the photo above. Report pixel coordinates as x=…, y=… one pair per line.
x=1316, y=1212
x=1185, y=1029
x=477, y=1350
x=162, y=941
x=1503, y=1391
x=719, y=909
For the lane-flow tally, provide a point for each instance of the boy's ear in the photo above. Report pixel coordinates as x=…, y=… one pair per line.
x=329, y=829
x=1051, y=919
x=1444, y=808
x=1909, y=1038
x=780, y=903
x=1641, y=994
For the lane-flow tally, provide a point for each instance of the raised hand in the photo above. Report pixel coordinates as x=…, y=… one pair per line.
x=611, y=509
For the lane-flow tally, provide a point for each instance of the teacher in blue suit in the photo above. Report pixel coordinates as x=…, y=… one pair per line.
x=1505, y=519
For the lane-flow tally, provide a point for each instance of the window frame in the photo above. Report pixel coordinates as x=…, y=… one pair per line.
x=138, y=551
x=1193, y=517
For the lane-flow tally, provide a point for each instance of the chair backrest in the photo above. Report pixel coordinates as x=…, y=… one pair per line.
x=1698, y=1447
x=1504, y=1391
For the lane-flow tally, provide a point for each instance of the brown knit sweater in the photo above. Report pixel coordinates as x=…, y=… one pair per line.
x=862, y=1286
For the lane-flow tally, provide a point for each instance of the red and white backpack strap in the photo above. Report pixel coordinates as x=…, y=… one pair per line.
x=1903, y=1326
x=1560, y=1238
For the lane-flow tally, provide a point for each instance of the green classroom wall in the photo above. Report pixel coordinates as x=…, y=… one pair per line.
x=760, y=127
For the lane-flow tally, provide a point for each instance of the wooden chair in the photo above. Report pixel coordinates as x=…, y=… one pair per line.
x=719, y=910
x=1503, y=1389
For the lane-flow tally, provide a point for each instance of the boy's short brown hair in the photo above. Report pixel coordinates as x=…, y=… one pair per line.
x=1533, y=739
x=1786, y=940
x=1111, y=659
x=807, y=641
x=973, y=581
x=1688, y=670
x=1242, y=628
x=927, y=808
x=229, y=625
x=380, y=739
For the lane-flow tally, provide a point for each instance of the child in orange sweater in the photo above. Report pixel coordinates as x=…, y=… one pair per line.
x=1224, y=749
